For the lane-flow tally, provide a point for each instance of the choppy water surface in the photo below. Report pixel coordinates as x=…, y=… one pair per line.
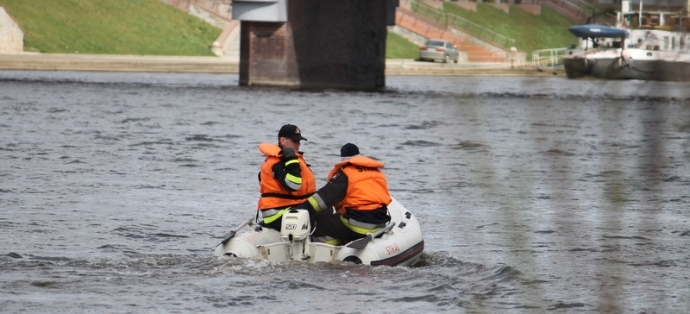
x=534, y=194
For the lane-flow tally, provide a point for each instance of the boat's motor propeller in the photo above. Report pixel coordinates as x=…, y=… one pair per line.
x=295, y=229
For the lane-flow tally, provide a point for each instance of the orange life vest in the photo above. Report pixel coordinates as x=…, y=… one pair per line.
x=273, y=194
x=366, y=184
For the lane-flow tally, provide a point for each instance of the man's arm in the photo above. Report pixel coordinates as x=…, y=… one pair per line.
x=288, y=171
x=329, y=195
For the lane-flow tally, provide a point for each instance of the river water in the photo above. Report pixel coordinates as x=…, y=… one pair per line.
x=534, y=194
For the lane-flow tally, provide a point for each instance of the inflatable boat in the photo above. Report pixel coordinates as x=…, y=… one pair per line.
x=400, y=243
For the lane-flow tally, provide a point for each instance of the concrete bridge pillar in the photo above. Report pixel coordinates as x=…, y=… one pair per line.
x=323, y=44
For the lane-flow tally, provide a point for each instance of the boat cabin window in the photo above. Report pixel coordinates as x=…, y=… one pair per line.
x=644, y=22
x=654, y=20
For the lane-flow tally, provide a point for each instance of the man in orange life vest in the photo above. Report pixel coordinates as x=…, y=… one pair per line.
x=285, y=178
x=358, y=190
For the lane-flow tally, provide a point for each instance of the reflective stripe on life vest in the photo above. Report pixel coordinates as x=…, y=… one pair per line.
x=271, y=215
x=361, y=227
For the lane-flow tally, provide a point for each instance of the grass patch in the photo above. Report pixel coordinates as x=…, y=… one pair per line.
x=397, y=47
x=135, y=27
x=531, y=32
x=150, y=27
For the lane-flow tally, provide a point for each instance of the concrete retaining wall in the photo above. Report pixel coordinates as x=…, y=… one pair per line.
x=11, y=36
x=111, y=63
x=472, y=6
x=501, y=6
x=209, y=15
x=436, y=4
x=530, y=8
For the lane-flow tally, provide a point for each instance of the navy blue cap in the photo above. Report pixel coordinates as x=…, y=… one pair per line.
x=349, y=150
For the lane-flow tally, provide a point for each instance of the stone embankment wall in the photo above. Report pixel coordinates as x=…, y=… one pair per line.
x=11, y=36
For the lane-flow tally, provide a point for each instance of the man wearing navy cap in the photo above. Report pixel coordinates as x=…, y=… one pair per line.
x=285, y=179
x=358, y=189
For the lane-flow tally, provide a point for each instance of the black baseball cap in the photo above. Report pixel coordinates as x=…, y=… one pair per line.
x=292, y=132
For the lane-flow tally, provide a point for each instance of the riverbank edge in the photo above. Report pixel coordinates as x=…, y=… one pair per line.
x=173, y=64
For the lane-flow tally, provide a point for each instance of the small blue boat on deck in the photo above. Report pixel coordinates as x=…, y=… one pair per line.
x=595, y=31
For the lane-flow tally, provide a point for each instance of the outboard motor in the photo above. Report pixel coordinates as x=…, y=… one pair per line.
x=295, y=229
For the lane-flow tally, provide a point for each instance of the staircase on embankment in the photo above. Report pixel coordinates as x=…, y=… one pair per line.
x=477, y=49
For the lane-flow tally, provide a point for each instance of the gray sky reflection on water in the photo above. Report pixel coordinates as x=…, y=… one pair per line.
x=533, y=193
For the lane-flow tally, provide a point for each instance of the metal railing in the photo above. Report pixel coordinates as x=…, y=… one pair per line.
x=586, y=12
x=586, y=7
x=548, y=58
x=463, y=24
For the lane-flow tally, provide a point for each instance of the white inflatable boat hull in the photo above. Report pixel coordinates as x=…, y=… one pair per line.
x=401, y=245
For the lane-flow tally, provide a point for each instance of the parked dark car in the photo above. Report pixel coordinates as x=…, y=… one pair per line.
x=438, y=49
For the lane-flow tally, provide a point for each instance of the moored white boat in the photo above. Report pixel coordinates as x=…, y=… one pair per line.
x=642, y=45
x=399, y=244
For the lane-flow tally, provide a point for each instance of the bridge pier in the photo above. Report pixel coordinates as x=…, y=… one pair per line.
x=337, y=44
